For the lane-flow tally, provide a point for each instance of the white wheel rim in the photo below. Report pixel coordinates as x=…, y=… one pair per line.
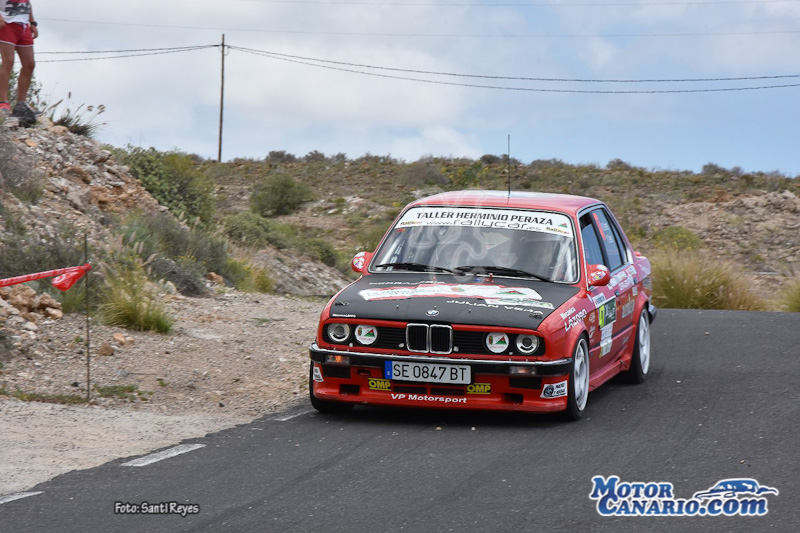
x=581, y=375
x=644, y=343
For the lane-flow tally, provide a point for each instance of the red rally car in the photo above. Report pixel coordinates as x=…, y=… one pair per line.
x=487, y=300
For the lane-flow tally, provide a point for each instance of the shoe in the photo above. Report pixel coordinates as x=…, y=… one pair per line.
x=5, y=107
x=30, y=108
x=26, y=115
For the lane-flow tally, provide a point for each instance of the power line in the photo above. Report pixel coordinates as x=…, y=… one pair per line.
x=520, y=89
x=443, y=35
x=520, y=78
x=518, y=4
x=126, y=55
x=175, y=48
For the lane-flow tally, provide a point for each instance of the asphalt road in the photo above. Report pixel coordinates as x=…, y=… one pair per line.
x=721, y=402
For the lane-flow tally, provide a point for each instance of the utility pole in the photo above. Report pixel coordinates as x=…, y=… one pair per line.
x=221, y=99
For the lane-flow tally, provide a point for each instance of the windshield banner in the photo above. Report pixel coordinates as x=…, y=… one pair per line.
x=555, y=223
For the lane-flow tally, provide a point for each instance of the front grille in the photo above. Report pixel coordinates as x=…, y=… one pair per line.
x=417, y=337
x=441, y=339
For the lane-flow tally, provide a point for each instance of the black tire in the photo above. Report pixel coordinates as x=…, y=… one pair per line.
x=577, y=396
x=642, y=353
x=325, y=406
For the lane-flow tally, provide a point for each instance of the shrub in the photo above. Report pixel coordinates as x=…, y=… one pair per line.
x=248, y=229
x=26, y=253
x=79, y=121
x=17, y=174
x=129, y=301
x=322, y=251
x=791, y=297
x=281, y=156
x=278, y=194
x=677, y=238
x=174, y=179
x=688, y=280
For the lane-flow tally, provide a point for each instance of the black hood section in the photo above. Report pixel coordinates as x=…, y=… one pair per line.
x=448, y=299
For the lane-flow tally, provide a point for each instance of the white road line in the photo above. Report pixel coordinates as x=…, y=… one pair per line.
x=166, y=454
x=295, y=415
x=17, y=496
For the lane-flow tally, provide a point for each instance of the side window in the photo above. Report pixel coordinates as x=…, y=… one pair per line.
x=610, y=239
x=591, y=246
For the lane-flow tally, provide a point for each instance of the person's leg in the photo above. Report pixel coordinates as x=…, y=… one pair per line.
x=26, y=71
x=7, y=54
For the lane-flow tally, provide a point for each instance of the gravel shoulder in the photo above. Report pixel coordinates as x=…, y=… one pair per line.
x=230, y=359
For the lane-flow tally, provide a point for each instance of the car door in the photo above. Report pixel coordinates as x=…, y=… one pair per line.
x=603, y=242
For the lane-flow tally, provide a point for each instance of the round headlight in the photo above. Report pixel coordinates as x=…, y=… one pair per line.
x=527, y=344
x=497, y=342
x=338, y=332
x=366, y=334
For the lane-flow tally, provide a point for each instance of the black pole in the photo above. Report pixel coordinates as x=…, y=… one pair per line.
x=221, y=99
x=88, y=345
x=508, y=164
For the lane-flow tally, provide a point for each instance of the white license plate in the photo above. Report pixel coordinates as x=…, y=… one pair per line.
x=427, y=372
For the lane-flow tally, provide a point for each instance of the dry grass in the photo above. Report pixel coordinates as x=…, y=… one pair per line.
x=691, y=280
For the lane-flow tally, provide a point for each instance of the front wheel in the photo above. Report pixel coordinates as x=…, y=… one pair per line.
x=325, y=406
x=640, y=362
x=578, y=390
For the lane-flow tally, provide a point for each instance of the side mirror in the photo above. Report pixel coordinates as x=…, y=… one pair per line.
x=599, y=275
x=360, y=261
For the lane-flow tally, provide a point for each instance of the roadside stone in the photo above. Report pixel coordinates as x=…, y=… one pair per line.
x=119, y=339
x=105, y=350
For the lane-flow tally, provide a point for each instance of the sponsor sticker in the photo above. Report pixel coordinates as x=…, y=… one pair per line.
x=554, y=390
x=479, y=388
x=427, y=398
x=727, y=497
x=317, y=374
x=366, y=334
x=605, y=339
x=575, y=320
x=607, y=312
x=379, y=384
x=493, y=294
x=497, y=342
x=627, y=309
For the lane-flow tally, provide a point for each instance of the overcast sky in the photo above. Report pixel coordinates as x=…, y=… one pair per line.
x=171, y=101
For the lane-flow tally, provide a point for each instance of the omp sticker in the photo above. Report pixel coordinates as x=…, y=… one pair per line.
x=479, y=388
x=554, y=223
x=379, y=384
x=497, y=342
x=554, y=390
x=497, y=294
x=366, y=334
x=317, y=374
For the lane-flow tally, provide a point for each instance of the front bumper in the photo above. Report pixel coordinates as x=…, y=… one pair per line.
x=493, y=387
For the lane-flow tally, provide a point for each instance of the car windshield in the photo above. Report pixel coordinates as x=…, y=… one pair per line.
x=502, y=242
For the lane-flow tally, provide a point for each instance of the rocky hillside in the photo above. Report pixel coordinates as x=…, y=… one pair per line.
x=55, y=187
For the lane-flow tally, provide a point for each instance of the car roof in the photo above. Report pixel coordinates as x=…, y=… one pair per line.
x=566, y=203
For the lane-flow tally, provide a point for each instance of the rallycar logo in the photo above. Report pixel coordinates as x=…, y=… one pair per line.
x=728, y=497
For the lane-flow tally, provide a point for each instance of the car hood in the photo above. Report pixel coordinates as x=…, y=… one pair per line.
x=437, y=298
